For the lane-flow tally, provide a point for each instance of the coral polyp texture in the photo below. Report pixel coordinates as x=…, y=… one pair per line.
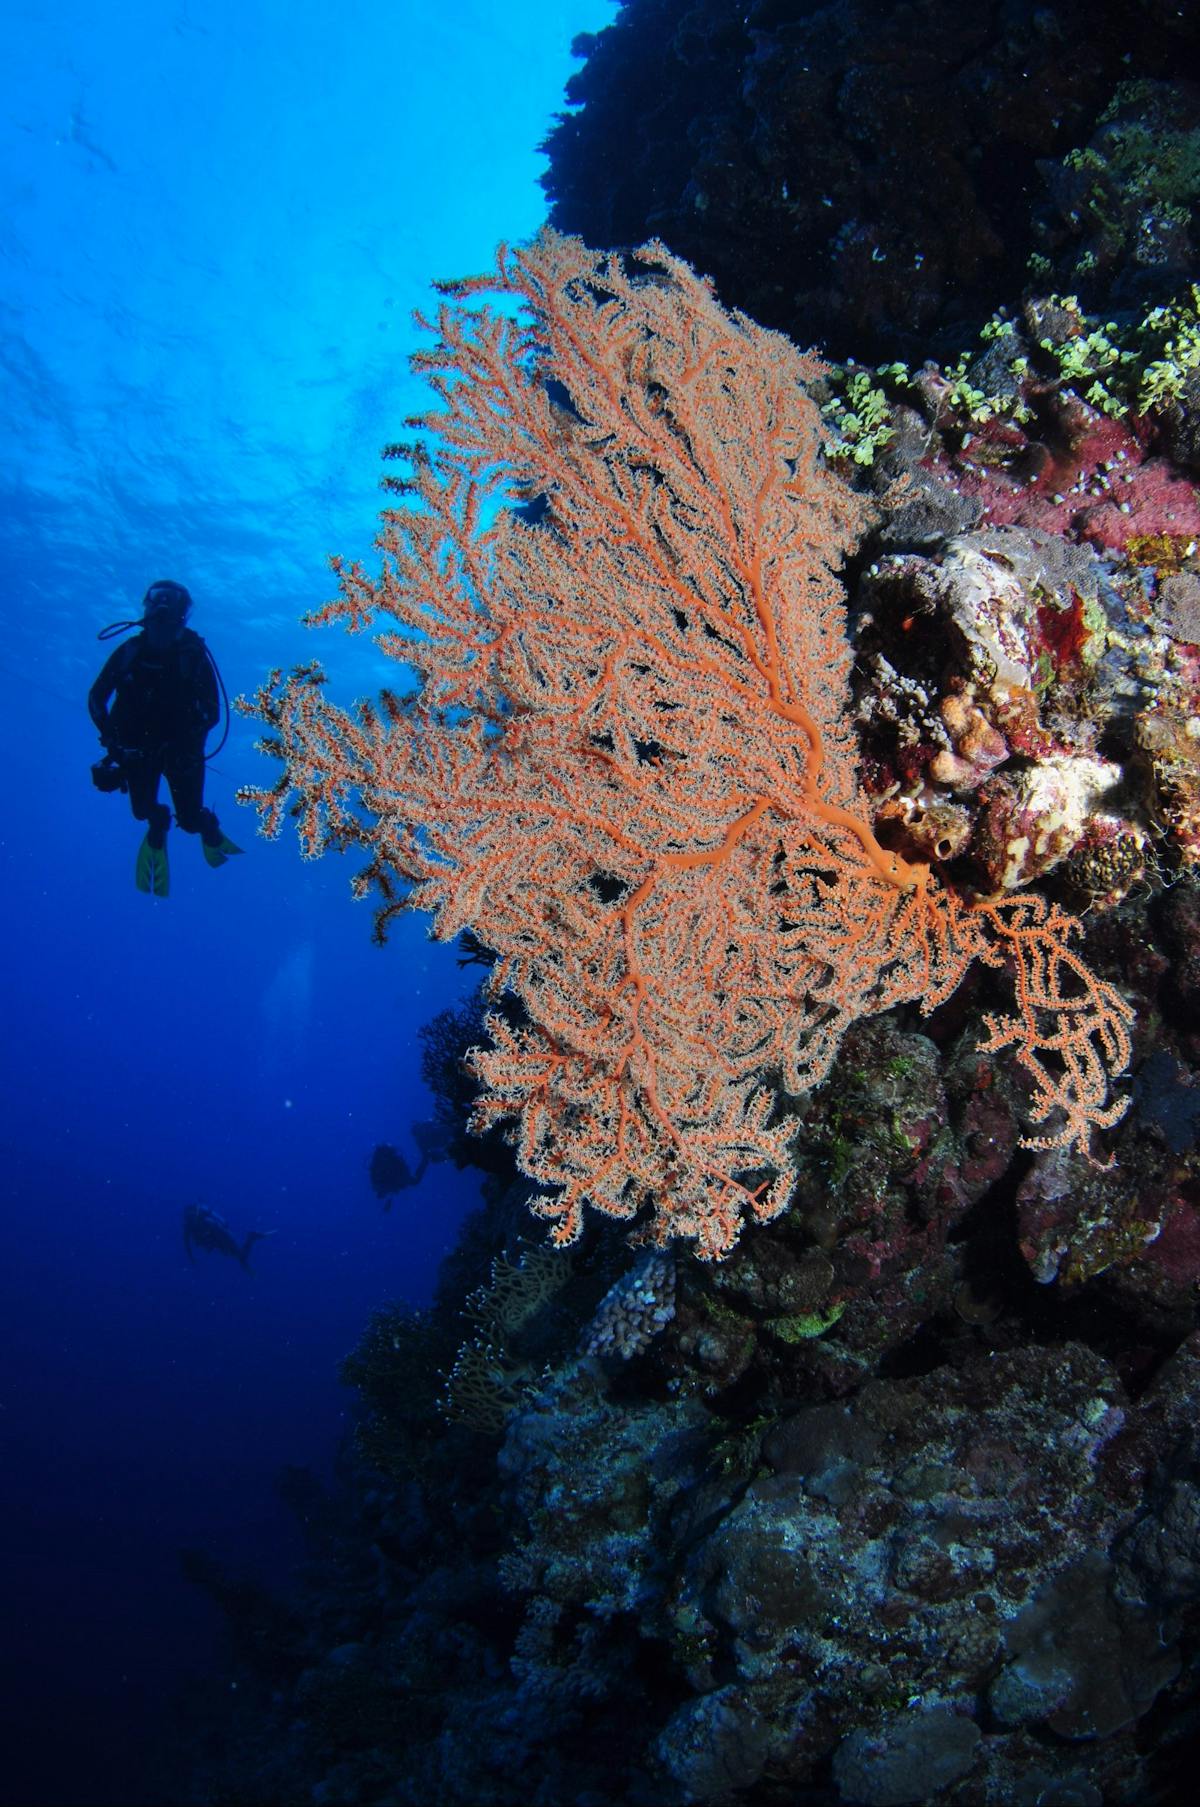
x=629, y=766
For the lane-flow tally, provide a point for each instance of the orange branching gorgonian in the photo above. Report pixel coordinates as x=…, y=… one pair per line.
x=629, y=766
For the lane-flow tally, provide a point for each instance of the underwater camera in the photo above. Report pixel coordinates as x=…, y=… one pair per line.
x=107, y=774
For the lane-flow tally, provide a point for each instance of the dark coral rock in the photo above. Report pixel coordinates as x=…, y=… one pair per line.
x=1078, y=1660
x=1117, y=224
x=714, y=1746
x=1179, y=597
x=859, y=174
x=908, y=1759
x=1158, y=1562
x=591, y=1480
x=900, y=1536
x=1181, y=434
x=826, y=1446
x=1073, y=1226
x=1181, y=922
x=1166, y=1095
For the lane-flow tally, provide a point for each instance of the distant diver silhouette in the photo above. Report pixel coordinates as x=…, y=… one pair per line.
x=390, y=1172
x=207, y=1230
x=163, y=689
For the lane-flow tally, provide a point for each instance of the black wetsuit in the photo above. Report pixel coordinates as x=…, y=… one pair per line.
x=154, y=706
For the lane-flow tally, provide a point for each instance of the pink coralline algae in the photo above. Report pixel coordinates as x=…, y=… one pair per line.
x=1093, y=478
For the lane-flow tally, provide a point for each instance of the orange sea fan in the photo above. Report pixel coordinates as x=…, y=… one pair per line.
x=630, y=767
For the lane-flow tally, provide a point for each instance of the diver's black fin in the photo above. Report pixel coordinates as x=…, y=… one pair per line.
x=252, y=1236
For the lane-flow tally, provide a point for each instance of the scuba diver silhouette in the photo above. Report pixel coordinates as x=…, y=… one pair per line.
x=207, y=1230
x=154, y=703
x=390, y=1173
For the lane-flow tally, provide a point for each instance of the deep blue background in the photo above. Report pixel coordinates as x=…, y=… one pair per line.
x=215, y=220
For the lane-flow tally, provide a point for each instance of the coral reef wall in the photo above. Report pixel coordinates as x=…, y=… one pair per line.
x=854, y=702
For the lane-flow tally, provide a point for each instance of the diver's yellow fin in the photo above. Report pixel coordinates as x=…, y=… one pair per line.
x=152, y=874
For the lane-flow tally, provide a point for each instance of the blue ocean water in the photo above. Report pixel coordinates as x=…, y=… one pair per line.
x=216, y=222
